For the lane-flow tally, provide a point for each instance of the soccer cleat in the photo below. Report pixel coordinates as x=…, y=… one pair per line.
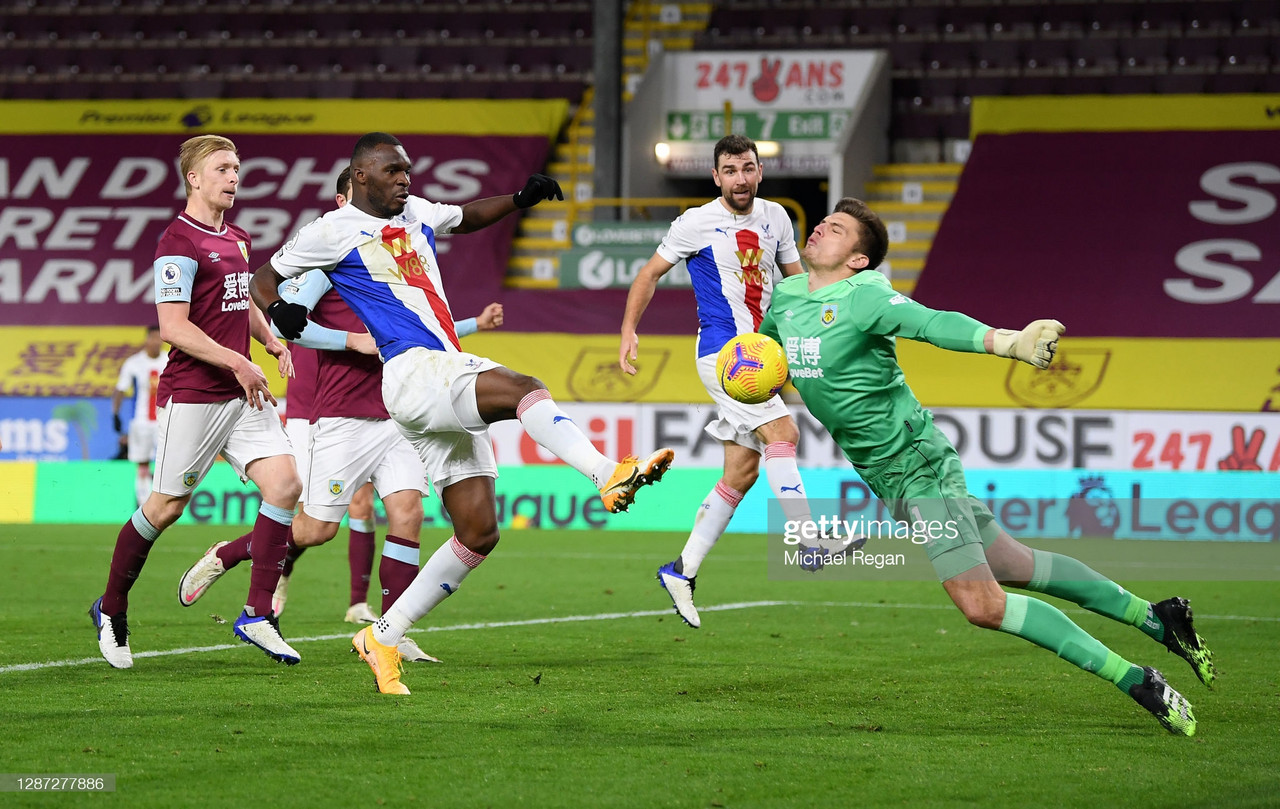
x=113, y=636
x=411, y=651
x=1180, y=638
x=264, y=632
x=280, y=596
x=200, y=576
x=1168, y=706
x=680, y=589
x=360, y=613
x=619, y=491
x=384, y=660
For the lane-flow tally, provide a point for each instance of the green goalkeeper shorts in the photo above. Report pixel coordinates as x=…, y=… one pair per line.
x=924, y=485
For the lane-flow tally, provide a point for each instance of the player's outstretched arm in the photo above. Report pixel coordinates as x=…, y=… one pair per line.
x=642, y=289
x=1035, y=345
x=484, y=212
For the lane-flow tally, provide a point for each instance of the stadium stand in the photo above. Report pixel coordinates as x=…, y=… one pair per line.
x=945, y=53
x=186, y=49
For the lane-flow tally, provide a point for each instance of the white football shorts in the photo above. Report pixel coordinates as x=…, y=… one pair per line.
x=737, y=421
x=300, y=433
x=431, y=395
x=142, y=440
x=346, y=453
x=191, y=436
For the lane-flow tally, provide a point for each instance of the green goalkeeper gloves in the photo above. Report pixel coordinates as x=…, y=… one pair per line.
x=1035, y=345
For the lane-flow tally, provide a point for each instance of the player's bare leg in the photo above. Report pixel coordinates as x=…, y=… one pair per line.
x=986, y=605
x=503, y=394
x=1168, y=622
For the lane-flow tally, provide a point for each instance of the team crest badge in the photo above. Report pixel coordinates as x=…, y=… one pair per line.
x=244, y=250
x=829, y=311
x=1074, y=376
x=335, y=486
x=189, y=479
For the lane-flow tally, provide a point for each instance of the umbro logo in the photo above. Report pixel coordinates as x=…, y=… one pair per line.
x=214, y=258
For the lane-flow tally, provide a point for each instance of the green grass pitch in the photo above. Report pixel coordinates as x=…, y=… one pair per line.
x=568, y=681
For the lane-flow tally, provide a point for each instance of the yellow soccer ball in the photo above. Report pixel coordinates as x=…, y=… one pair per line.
x=752, y=368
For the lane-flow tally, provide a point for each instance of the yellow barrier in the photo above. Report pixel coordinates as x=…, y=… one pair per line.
x=1096, y=373
x=18, y=482
x=1005, y=115
x=252, y=116
x=80, y=361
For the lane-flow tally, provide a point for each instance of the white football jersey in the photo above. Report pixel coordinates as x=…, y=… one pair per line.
x=733, y=262
x=141, y=374
x=384, y=269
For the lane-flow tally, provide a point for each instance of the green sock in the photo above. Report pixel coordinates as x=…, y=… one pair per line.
x=1046, y=626
x=1066, y=578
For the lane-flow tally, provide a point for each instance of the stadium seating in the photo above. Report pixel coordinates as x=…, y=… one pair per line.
x=193, y=48
x=945, y=53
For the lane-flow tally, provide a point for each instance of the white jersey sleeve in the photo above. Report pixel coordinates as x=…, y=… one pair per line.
x=441, y=218
x=128, y=372
x=787, y=250
x=316, y=247
x=683, y=239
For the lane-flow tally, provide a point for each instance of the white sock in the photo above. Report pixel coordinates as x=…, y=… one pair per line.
x=547, y=424
x=713, y=517
x=784, y=478
x=439, y=578
x=142, y=488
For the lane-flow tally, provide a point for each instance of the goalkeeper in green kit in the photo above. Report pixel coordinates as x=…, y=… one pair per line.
x=838, y=324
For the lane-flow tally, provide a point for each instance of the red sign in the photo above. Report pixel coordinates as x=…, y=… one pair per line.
x=1116, y=234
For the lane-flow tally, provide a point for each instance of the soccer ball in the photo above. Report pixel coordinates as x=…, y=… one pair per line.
x=752, y=368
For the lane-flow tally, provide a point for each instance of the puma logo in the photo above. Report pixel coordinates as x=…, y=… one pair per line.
x=795, y=488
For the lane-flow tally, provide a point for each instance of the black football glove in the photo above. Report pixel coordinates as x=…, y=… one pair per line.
x=537, y=188
x=290, y=318
x=115, y=423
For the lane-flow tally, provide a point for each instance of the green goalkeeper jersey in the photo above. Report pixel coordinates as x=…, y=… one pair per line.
x=840, y=344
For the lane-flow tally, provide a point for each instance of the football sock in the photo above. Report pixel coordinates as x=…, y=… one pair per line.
x=547, y=424
x=439, y=578
x=712, y=518
x=784, y=479
x=270, y=543
x=398, y=568
x=360, y=552
x=1066, y=578
x=290, y=557
x=133, y=543
x=1046, y=626
x=235, y=551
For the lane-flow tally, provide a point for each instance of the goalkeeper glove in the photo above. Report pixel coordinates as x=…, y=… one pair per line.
x=115, y=422
x=290, y=318
x=1035, y=345
x=537, y=188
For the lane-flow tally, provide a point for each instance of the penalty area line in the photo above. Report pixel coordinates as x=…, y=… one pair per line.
x=561, y=619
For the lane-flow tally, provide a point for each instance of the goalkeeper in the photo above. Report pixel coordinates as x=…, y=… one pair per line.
x=838, y=324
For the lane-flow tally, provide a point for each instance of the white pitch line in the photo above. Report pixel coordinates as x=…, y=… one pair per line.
x=562, y=619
